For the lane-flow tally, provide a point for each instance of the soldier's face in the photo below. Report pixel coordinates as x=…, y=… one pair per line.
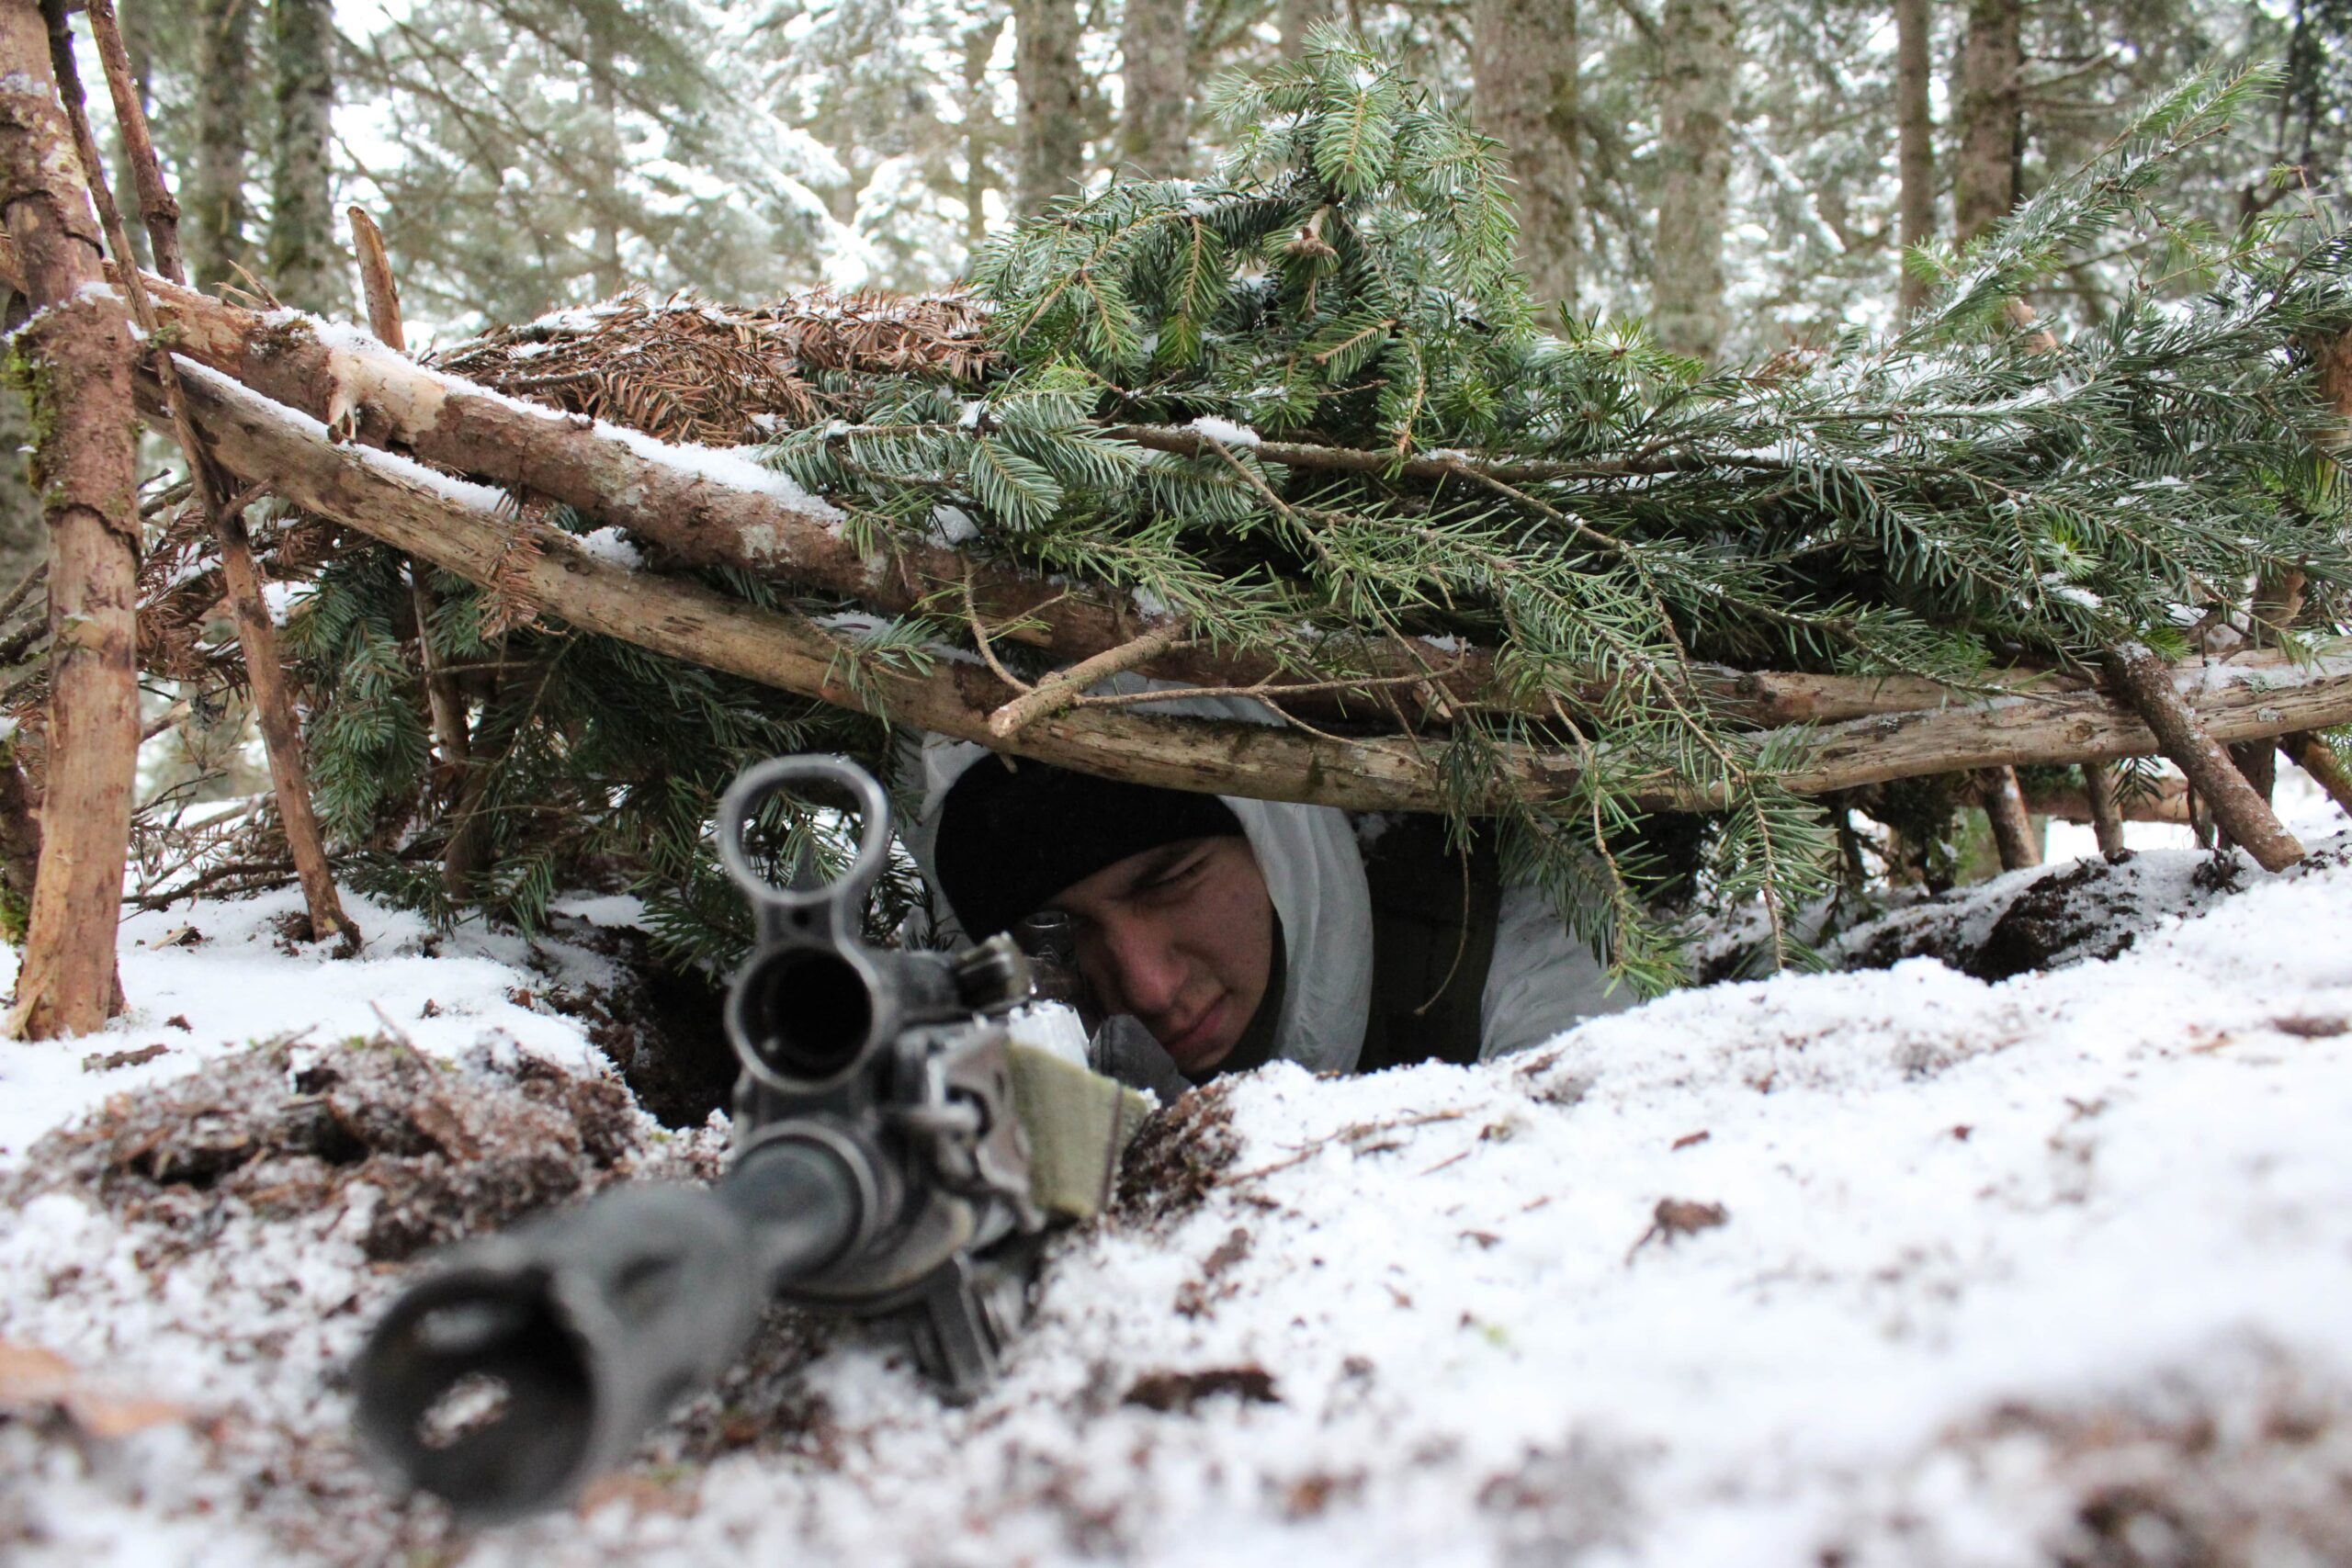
x=1183, y=937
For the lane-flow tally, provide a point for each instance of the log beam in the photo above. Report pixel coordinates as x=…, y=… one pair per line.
x=338, y=375
x=466, y=533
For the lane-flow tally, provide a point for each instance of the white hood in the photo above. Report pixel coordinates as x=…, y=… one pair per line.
x=1314, y=873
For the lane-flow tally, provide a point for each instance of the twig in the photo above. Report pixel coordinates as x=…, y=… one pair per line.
x=445, y=704
x=272, y=703
x=1056, y=693
x=24, y=589
x=2245, y=815
x=981, y=636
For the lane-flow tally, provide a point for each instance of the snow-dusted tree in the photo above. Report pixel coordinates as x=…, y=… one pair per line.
x=1050, y=125
x=1156, y=68
x=1988, y=92
x=1916, y=136
x=306, y=266
x=1524, y=59
x=219, y=216
x=1697, y=88
x=551, y=152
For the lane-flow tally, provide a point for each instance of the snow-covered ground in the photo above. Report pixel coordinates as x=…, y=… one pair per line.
x=2057, y=1269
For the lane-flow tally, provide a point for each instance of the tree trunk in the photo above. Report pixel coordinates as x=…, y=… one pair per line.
x=604, y=156
x=1984, y=180
x=1294, y=18
x=78, y=354
x=1155, y=130
x=218, y=218
x=305, y=268
x=1050, y=132
x=980, y=131
x=1698, y=83
x=1915, y=137
x=1524, y=68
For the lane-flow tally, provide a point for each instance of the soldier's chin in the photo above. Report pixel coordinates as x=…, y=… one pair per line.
x=1208, y=1041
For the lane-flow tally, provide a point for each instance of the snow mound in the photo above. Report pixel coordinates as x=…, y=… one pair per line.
x=1899, y=1266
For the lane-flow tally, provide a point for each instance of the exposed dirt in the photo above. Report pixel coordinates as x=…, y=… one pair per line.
x=1175, y=1161
x=662, y=1027
x=286, y=1130
x=2091, y=909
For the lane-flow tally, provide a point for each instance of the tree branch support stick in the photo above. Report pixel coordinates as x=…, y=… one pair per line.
x=383, y=295
x=2243, y=814
x=2107, y=814
x=156, y=204
x=256, y=638
x=1057, y=692
x=2311, y=754
x=2013, y=835
x=78, y=351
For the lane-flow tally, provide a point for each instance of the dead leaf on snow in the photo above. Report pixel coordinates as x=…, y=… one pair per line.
x=34, y=1382
x=1679, y=1217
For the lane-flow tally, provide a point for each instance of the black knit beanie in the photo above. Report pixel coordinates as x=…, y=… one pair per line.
x=1010, y=836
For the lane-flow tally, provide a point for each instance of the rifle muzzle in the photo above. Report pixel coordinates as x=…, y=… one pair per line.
x=534, y=1360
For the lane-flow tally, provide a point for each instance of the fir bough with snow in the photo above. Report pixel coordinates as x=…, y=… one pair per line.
x=1302, y=407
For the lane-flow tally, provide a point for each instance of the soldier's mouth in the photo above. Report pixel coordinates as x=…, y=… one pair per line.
x=1196, y=1045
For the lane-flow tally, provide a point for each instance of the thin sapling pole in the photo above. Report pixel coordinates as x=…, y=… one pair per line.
x=157, y=205
x=256, y=636
x=2314, y=756
x=383, y=296
x=467, y=849
x=2106, y=811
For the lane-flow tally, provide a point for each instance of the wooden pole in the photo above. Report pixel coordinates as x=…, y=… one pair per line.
x=2013, y=835
x=467, y=847
x=78, y=349
x=157, y=206
x=256, y=636
x=2237, y=810
x=2106, y=811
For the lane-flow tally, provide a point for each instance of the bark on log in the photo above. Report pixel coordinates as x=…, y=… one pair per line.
x=2196, y=751
x=79, y=348
x=370, y=492
x=701, y=522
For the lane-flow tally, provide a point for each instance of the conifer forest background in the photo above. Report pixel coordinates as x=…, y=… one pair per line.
x=1703, y=200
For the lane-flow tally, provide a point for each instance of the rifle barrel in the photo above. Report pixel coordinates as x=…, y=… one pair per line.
x=534, y=1361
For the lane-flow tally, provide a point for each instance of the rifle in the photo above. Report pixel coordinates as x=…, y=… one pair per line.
x=879, y=1167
